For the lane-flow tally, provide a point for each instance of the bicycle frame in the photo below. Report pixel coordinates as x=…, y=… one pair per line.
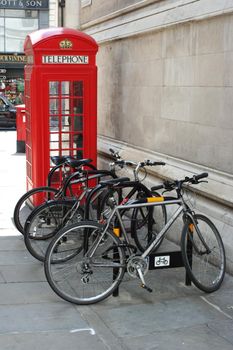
x=116, y=212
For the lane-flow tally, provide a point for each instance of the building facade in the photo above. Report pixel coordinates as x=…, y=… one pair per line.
x=166, y=92
x=17, y=19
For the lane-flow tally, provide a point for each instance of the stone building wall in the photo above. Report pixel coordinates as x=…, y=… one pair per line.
x=53, y=13
x=165, y=72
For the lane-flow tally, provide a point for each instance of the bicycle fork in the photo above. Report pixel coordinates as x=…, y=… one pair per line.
x=194, y=225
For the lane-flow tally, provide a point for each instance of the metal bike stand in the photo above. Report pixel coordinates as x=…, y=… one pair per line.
x=115, y=270
x=168, y=260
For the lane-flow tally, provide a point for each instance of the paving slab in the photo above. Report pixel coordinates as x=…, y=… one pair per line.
x=33, y=272
x=29, y=318
x=223, y=329
x=136, y=320
x=69, y=340
x=2, y=280
x=222, y=299
x=11, y=243
x=185, y=338
x=15, y=258
x=26, y=293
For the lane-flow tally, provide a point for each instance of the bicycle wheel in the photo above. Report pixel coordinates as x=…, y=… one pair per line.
x=28, y=202
x=203, y=253
x=45, y=221
x=146, y=223
x=79, y=276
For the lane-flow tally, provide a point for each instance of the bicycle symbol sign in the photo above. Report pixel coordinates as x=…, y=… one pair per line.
x=162, y=261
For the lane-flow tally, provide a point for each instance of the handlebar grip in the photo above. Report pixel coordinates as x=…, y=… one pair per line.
x=120, y=162
x=111, y=150
x=158, y=163
x=151, y=163
x=129, y=163
x=158, y=187
x=200, y=176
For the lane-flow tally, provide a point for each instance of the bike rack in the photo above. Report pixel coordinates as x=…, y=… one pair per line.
x=166, y=260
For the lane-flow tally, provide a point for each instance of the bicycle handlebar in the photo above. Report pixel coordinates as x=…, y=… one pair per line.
x=200, y=176
x=121, y=162
x=148, y=162
x=177, y=184
x=115, y=154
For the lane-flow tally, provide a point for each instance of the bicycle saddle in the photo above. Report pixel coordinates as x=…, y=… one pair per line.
x=114, y=181
x=75, y=163
x=59, y=159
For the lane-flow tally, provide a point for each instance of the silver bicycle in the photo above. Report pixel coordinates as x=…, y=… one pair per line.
x=91, y=262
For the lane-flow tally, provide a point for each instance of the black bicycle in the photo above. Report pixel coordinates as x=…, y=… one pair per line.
x=64, y=166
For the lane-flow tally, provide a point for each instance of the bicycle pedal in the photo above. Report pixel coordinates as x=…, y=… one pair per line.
x=148, y=289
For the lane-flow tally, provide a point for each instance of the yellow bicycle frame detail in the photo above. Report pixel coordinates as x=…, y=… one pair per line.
x=116, y=231
x=155, y=199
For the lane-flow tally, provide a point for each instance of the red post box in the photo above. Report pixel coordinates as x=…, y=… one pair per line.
x=60, y=99
x=21, y=128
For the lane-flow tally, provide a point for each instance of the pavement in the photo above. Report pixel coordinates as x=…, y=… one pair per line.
x=174, y=316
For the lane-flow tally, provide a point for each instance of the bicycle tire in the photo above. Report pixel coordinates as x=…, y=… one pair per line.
x=205, y=269
x=81, y=279
x=45, y=221
x=24, y=206
x=140, y=230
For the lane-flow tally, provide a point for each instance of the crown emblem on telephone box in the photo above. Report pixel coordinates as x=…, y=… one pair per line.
x=65, y=44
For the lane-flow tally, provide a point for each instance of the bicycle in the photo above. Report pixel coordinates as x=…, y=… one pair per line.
x=91, y=263
x=146, y=220
x=38, y=195
x=48, y=218
x=149, y=219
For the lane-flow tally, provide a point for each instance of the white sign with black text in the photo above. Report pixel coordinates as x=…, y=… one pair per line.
x=65, y=59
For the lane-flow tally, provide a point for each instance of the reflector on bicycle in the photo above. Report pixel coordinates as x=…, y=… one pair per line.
x=191, y=228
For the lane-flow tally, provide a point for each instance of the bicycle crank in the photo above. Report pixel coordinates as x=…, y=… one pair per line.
x=138, y=267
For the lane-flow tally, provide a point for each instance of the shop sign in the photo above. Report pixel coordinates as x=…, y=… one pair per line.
x=24, y=4
x=13, y=59
x=65, y=59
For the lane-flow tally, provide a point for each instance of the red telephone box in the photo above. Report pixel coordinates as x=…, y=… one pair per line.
x=60, y=99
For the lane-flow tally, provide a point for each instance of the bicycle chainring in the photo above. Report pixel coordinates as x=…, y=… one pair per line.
x=136, y=262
